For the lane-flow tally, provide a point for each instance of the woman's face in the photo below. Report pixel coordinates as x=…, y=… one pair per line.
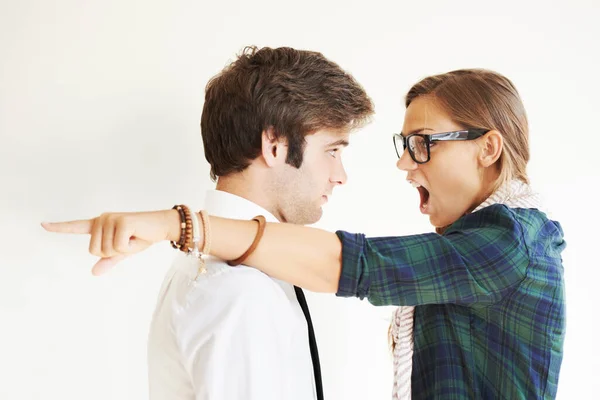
x=451, y=183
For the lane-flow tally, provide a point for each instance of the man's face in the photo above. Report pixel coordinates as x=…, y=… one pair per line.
x=299, y=193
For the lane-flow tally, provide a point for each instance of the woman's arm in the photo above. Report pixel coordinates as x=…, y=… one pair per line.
x=480, y=258
x=307, y=257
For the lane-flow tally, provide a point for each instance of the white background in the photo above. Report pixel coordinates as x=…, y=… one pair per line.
x=100, y=105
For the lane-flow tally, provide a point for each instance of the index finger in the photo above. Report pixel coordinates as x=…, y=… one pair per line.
x=81, y=227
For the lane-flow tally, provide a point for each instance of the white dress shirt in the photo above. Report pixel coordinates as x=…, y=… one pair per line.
x=233, y=333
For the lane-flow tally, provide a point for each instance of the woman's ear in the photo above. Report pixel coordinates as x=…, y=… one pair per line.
x=490, y=145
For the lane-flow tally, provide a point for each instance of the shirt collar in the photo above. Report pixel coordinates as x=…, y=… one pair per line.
x=227, y=205
x=514, y=194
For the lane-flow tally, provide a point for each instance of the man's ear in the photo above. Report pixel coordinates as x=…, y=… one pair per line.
x=274, y=150
x=491, y=145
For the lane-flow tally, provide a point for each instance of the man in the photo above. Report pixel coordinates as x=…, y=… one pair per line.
x=274, y=125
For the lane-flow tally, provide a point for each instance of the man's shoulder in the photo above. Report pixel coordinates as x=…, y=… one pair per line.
x=222, y=294
x=223, y=283
x=194, y=311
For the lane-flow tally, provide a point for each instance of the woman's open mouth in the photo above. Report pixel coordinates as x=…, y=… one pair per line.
x=423, y=193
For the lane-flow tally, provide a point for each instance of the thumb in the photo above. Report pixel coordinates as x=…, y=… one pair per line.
x=105, y=264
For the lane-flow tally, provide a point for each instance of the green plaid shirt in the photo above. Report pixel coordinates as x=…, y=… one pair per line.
x=490, y=315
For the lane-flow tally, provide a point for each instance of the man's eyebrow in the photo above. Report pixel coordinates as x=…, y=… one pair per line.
x=341, y=142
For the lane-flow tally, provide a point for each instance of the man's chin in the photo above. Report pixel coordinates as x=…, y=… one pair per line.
x=306, y=218
x=313, y=217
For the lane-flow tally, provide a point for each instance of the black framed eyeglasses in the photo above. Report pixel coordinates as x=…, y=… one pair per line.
x=419, y=144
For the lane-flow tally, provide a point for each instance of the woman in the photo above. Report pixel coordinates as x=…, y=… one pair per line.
x=488, y=286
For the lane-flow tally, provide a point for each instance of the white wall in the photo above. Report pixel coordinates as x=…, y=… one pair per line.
x=100, y=104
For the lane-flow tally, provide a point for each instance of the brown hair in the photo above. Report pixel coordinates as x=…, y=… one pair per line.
x=293, y=92
x=479, y=98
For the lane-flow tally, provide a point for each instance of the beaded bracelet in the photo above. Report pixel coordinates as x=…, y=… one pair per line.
x=190, y=236
x=187, y=243
x=178, y=245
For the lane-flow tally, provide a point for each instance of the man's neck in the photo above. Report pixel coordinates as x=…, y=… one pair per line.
x=248, y=188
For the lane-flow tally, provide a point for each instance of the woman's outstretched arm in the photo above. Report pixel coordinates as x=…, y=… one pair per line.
x=307, y=257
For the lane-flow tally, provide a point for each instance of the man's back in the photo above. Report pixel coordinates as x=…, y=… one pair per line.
x=232, y=333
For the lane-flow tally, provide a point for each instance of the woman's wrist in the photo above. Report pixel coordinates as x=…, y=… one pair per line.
x=173, y=225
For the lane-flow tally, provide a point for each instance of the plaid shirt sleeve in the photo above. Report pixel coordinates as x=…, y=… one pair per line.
x=479, y=259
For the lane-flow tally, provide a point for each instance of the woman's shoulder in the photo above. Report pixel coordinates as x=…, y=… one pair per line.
x=530, y=221
x=532, y=225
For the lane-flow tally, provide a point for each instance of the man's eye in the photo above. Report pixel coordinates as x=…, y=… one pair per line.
x=332, y=152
